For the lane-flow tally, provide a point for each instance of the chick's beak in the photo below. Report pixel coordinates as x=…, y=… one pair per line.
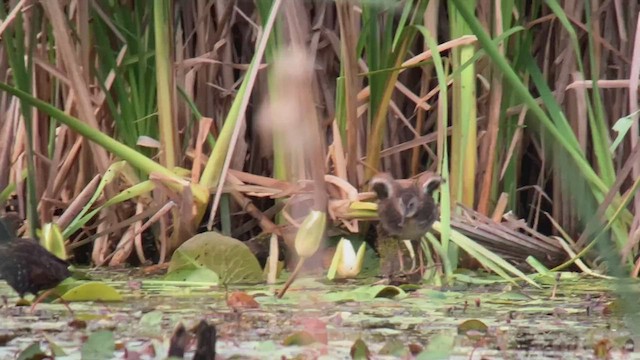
x=402, y=209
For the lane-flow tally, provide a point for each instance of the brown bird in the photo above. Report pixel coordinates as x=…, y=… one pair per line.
x=406, y=210
x=24, y=264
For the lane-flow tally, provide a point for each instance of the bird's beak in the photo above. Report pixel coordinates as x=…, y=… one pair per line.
x=403, y=214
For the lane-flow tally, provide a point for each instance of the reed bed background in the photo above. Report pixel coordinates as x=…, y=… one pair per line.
x=120, y=114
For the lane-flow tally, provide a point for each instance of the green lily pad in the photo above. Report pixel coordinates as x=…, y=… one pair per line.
x=268, y=346
x=359, y=350
x=33, y=351
x=203, y=275
x=92, y=291
x=440, y=347
x=472, y=328
x=386, y=291
x=229, y=258
x=100, y=345
x=299, y=338
x=56, y=350
x=365, y=293
x=395, y=347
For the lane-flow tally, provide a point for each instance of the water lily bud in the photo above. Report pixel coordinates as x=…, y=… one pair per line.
x=310, y=234
x=346, y=263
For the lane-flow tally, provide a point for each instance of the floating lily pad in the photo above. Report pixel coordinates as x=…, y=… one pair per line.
x=386, y=291
x=364, y=293
x=359, y=350
x=56, y=349
x=395, y=347
x=440, y=347
x=100, y=345
x=299, y=338
x=473, y=328
x=33, y=351
x=152, y=320
x=203, y=275
x=92, y=291
x=229, y=258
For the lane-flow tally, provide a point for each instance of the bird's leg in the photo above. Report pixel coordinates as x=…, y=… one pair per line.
x=420, y=260
x=400, y=259
x=44, y=296
x=407, y=245
x=419, y=253
x=413, y=253
x=39, y=299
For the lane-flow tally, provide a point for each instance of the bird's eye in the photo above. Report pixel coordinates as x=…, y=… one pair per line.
x=412, y=205
x=409, y=206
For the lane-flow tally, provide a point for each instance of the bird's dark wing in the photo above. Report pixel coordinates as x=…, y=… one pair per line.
x=30, y=268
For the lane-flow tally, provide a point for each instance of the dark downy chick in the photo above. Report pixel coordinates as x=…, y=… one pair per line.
x=406, y=210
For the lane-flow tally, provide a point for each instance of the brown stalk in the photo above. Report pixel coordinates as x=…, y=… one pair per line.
x=67, y=52
x=155, y=214
x=247, y=205
x=203, y=131
x=8, y=129
x=70, y=160
x=78, y=203
x=336, y=153
x=501, y=206
x=11, y=16
x=348, y=46
x=239, y=122
x=634, y=74
x=488, y=161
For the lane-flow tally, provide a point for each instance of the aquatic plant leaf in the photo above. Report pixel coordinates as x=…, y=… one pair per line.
x=92, y=291
x=386, y=291
x=473, y=328
x=229, y=258
x=395, y=347
x=538, y=266
x=53, y=241
x=621, y=126
x=56, y=350
x=359, y=350
x=476, y=280
x=152, y=320
x=268, y=346
x=33, y=351
x=365, y=293
x=299, y=338
x=440, y=347
x=204, y=275
x=100, y=345
x=150, y=323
